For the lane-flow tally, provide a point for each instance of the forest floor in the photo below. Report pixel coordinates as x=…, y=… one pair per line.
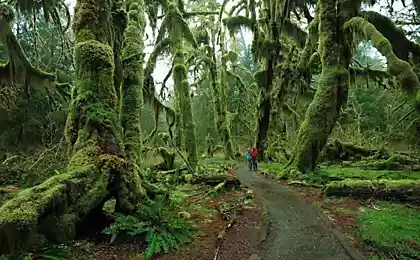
x=378, y=229
x=203, y=208
x=273, y=220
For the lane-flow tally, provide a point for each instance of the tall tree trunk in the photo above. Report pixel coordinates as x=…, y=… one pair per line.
x=332, y=87
x=223, y=125
x=182, y=87
x=97, y=170
x=133, y=74
x=264, y=110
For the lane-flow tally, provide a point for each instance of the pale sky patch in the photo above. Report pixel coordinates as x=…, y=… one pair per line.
x=163, y=65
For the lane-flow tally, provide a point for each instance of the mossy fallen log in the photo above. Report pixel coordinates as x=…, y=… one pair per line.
x=337, y=151
x=397, y=190
x=349, y=154
x=50, y=211
x=395, y=162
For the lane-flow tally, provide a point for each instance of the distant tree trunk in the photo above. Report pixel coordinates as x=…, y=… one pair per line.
x=97, y=170
x=182, y=88
x=332, y=87
x=223, y=125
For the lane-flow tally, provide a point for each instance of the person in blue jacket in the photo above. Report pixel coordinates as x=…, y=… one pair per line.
x=248, y=159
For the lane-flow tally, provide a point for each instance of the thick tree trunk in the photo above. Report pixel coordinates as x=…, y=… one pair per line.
x=331, y=91
x=263, y=125
x=51, y=211
x=265, y=83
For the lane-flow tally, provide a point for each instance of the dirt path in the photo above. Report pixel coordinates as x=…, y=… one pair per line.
x=295, y=229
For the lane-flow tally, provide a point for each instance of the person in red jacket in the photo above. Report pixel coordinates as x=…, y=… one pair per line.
x=254, y=155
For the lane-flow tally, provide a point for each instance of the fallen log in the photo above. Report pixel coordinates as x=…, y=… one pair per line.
x=398, y=190
x=337, y=151
x=395, y=162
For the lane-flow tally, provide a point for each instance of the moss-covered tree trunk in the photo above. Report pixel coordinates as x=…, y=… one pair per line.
x=97, y=170
x=276, y=14
x=220, y=98
x=332, y=87
x=133, y=75
x=222, y=118
x=177, y=32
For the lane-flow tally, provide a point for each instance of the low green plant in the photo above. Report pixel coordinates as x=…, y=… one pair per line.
x=159, y=222
x=394, y=228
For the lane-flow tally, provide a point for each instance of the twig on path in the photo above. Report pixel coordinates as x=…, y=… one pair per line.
x=217, y=253
x=304, y=184
x=222, y=235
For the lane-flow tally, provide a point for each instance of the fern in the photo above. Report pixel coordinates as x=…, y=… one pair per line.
x=158, y=221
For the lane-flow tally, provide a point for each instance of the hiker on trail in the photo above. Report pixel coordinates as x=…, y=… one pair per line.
x=248, y=159
x=254, y=155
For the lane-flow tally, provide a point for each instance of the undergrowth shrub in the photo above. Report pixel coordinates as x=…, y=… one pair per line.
x=159, y=221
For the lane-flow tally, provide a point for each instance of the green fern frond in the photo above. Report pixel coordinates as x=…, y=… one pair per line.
x=157, y=220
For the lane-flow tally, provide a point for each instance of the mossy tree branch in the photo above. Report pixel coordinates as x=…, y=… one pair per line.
x=363, y=30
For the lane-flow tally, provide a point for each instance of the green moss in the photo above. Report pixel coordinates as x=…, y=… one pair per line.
x=320, y=118
x=400, y=44
x=234, y=23
x=364, y=183
x=133, y=79
x=311, y=41
x=92, y=21
x=332, y=88
x=394, y=229
x=357, y=173
x=51, y=199
x=178, y=30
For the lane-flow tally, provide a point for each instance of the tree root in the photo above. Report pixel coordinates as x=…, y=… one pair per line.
x=50, y=212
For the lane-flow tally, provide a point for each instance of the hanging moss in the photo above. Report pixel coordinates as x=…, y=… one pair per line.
x=234, y=23
x=178, y=30
x=310, y=44
x=293, y=31
x=18, y=74
x=222, y=122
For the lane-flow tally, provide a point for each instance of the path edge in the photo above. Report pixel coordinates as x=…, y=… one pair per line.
x=265, y=222
x=344, y=241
